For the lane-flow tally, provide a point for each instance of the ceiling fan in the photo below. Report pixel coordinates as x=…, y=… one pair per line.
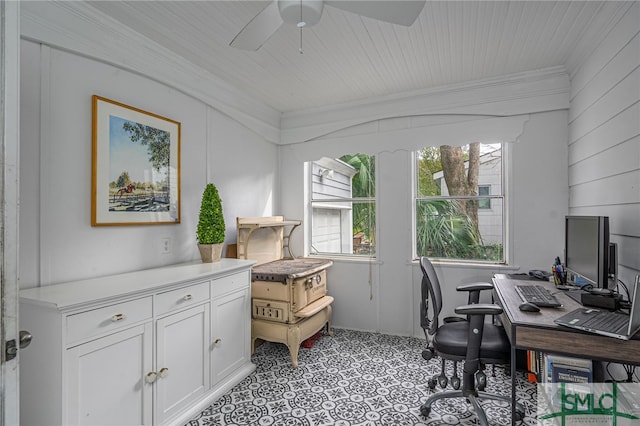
x=305, y=13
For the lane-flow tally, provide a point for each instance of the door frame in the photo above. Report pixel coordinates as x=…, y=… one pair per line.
x=9, y=176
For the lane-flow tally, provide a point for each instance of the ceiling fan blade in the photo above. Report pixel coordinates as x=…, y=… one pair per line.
x=399, y=12
x=259, y=29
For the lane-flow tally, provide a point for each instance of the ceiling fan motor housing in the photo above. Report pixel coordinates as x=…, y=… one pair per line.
x=311, y=11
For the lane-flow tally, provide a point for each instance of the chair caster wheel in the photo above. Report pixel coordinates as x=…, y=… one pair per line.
x=432, y=383
x=427, y=354
x=425, y=411
x=519, y=415
x=481, y=380
x=455, y=382
x=442, y=381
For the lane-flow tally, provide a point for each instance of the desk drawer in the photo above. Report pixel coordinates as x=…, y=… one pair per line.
x=182, y=297
x=102, y=320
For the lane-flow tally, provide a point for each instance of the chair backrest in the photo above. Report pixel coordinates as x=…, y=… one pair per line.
x=430, y=290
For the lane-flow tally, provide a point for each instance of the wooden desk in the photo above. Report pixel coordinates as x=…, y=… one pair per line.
x=537, y=331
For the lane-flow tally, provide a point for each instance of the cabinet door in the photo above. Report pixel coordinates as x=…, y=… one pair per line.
x=107, y=383
x=230, y=333
x=182, y=360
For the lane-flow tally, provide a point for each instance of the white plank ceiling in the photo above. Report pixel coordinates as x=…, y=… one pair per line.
x=348, y=57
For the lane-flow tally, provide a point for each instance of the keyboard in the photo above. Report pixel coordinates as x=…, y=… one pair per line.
x=611, y=322
x=538, y=295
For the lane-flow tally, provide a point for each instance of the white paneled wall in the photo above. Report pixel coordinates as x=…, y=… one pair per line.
x=604, y=138
x=57, y=242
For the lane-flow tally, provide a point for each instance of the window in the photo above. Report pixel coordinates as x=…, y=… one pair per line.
x=459, y=203
x=343, y=205
x=484, y=203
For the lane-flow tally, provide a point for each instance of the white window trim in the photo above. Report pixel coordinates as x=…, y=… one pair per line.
x=506, y=208
x=308, y=223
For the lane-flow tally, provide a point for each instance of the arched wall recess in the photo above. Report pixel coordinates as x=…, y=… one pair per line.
x=505, y=96
x=411, y=133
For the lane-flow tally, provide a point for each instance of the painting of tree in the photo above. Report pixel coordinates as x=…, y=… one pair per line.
x=136, y=165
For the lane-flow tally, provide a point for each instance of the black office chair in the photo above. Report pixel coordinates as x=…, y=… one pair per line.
x=473, y=341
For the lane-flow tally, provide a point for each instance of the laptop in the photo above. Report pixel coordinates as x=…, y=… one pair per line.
x=606, y=323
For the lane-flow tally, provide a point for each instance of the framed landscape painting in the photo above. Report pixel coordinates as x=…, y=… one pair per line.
x=135, y=166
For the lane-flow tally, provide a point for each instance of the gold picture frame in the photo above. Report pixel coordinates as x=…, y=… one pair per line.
x=135, y=177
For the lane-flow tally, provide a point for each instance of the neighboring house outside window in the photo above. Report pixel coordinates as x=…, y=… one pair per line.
x=467, y=226
x=484, y=203
x=342, y=201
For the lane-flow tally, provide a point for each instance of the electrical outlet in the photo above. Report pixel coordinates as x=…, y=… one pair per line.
x=165, y=245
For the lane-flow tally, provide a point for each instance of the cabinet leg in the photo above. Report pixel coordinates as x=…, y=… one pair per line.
x=329, y=312
x=293, y=343
x=329, y=330
x=255, y=343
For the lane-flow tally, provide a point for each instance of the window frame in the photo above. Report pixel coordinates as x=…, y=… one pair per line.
x=503, y=197
x=309, y=214
x=483, y=197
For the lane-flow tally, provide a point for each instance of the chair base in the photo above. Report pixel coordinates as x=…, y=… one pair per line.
x=425, y=409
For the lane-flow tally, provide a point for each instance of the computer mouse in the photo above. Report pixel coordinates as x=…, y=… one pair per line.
x=529, y=307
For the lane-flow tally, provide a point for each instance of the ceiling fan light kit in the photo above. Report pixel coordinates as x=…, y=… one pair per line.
x=301, y=13
x=305, y=13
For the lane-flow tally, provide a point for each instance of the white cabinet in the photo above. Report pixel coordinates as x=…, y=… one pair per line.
x=109, y=372
x=148, y=347
x=231, y=334
x=182, y=360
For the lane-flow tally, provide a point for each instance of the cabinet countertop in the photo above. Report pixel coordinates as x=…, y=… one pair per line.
x=68, y=295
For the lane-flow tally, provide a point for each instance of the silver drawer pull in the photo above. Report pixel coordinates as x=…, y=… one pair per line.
x=187, y=297
x=163, y=372
x=117, y=317
x=151, y=376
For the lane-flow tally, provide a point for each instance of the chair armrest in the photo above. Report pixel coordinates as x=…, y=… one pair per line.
x=475, y=286
x=479, y=309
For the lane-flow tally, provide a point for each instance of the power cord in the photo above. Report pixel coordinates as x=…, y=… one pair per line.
x=626, y=289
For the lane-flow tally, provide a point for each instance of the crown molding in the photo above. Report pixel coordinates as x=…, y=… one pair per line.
x=81, y=29
x=77, y=27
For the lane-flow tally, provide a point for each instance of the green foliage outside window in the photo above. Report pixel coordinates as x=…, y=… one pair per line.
x=363, y=186
x=445, y=231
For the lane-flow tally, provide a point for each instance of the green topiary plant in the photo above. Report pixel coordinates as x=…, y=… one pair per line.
x=211, y=221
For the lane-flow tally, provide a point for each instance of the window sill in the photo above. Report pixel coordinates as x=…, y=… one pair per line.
x=496, y=267
x=348, y=259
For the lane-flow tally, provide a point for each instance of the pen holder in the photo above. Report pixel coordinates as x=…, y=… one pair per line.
x=559, y=275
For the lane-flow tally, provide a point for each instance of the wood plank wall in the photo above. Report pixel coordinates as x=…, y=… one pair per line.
x=604, y=138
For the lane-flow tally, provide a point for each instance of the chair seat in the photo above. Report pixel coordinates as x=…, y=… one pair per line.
x=451, y=339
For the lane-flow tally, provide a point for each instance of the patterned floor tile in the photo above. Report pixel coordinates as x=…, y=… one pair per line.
x=349, y=379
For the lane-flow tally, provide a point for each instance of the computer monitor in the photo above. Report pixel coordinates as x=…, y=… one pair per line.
x=587, y=249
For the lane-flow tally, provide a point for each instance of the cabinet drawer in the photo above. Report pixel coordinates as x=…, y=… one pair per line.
x=182, y=297
x=230, y=283
x=102, y=320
